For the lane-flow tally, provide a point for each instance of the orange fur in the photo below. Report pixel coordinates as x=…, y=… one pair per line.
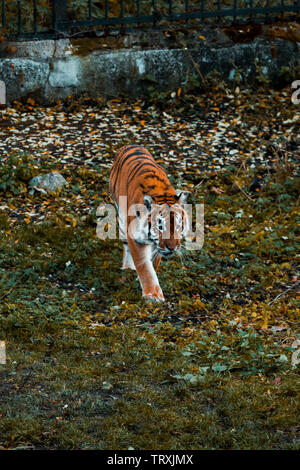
x=135, y=174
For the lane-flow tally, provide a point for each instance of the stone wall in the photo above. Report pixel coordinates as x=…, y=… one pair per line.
x=113, y=66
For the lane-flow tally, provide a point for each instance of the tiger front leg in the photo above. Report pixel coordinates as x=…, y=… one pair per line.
x=141, y=255
x=127, y=258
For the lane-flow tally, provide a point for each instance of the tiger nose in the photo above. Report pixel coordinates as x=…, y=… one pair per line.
x=170, y=247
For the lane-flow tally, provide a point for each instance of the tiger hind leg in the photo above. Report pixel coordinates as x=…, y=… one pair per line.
x=156, y=261
x=127, y=258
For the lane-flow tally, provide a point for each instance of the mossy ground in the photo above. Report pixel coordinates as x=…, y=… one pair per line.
x=90, y=365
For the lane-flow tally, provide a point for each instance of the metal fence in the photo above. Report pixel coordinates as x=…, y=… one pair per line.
x=29, y=19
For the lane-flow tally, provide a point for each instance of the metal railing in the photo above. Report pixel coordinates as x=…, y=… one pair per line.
x=30, y=19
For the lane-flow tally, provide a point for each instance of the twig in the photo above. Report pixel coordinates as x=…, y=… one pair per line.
x=198, y=184
x=66, y=35
x=6, y=293
x=294, y=286
x=245, y=194
x=196, y=66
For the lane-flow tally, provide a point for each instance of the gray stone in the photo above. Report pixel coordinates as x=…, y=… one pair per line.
x=23, y=77
x=127, y=72
x=66, y=73
x=39, y=50
x=49, y=182
x=52, y=70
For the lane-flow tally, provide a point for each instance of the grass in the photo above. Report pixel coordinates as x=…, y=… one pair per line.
x=90, y=365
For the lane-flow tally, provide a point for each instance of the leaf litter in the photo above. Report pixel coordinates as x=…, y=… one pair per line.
x=90, y=365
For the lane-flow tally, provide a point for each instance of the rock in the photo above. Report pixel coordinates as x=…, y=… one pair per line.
x=49, y=182
x=23, y=77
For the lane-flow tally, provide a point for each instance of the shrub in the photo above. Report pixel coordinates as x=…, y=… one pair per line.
x=16, y=171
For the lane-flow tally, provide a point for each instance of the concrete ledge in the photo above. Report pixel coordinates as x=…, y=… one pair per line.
x=23, y=77
x=52, y=70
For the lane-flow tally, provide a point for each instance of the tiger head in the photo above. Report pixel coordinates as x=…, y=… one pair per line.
x=163, y=222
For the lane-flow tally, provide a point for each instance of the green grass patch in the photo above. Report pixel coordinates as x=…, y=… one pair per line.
x=90, y=365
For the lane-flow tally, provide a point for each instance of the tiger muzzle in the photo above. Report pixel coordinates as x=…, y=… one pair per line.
x=167, y=252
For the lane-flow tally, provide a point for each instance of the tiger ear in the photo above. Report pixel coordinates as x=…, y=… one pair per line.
x=148, y=202
x=182, y=196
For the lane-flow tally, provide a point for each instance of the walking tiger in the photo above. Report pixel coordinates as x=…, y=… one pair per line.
x=152, y=221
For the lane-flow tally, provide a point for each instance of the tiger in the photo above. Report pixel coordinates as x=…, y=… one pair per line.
x=152, y=220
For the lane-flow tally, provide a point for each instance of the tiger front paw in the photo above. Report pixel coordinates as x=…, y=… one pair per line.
x=127, y=266
x=155, y=295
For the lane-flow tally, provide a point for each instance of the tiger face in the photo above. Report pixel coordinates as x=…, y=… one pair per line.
x=162, y=225
x=166, y=228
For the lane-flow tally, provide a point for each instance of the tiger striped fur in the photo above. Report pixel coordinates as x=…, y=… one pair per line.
x=155, y=225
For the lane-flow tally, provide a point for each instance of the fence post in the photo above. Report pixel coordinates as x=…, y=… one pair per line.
x=59, y=15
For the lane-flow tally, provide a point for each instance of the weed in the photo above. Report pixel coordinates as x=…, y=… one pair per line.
x=16, y=171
